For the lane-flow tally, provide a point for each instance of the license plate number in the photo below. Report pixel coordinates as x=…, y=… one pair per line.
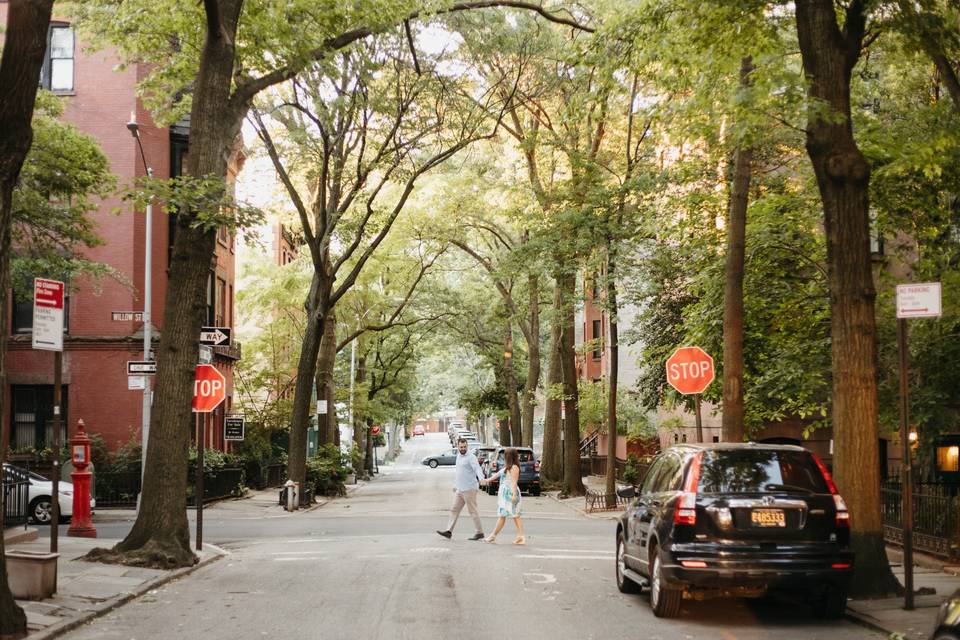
x=768, y=518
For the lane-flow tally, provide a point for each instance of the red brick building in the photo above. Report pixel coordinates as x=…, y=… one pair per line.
x=104, y=326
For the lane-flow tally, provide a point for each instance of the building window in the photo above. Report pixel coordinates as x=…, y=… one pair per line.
x=230, y=306
x=210, y=317
x=596, y=338
x=32, y=417
x=221, y=317
x=57, y=71
x=948, y=458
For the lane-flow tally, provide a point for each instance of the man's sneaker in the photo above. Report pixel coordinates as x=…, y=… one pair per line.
x=477, y=536
x=445, y=534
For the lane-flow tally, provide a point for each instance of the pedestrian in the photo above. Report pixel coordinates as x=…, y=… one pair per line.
x=508, y=497
x=466, y=484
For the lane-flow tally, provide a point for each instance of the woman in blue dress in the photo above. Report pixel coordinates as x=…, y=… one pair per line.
x=508, y=497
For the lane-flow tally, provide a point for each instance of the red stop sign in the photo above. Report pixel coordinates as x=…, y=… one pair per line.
x=209, y=388
x=375, y=430
x=690, y=370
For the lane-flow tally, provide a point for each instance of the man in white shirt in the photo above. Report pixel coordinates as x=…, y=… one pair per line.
x=466, y=485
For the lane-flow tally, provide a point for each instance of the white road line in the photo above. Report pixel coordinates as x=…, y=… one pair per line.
x=576, y=551
x=559, y=557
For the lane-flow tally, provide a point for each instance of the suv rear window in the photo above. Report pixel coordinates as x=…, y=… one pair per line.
x=759, y=471
x=525, y=455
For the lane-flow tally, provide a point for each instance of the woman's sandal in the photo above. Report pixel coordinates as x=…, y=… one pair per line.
x=490, y=539
x=520, y=540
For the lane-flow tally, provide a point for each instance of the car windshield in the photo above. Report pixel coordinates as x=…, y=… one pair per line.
x=759, y=471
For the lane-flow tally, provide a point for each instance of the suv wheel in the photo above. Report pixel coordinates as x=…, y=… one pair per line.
x=624, y=584
x=664, y=600
x=834, y=603
x=433, y=464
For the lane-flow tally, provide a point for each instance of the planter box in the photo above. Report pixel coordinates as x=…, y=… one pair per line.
x=32, y=574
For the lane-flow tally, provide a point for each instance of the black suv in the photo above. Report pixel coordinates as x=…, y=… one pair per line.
x=719, y=520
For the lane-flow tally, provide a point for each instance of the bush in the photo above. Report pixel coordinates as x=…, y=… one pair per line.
x=631, y=472
x=327, y=471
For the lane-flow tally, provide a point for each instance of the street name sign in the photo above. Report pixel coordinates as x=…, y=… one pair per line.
x=209, y=388
x=126, y=316
x=920, y=300
x=48, y=314
x=233, y=426
x=215, y=336
x=690, y=370
x=141, y=367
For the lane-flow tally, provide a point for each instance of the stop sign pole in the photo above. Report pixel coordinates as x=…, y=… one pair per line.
x=209, y=391
x=690, y=371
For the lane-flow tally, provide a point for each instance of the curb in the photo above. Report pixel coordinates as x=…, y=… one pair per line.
x=61, y=628
x=866, y=622
x=607, y=515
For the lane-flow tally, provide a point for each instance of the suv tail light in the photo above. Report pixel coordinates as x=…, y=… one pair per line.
x=686, y=511
x=843, y=515
x=536, y=466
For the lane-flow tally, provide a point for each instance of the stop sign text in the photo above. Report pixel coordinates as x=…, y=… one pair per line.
x=690, y=370
x=209, y=388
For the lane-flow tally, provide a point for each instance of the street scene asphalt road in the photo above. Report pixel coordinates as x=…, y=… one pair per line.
x=372, y=566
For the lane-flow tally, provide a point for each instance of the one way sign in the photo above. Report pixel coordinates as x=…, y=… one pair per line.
x=216, y=336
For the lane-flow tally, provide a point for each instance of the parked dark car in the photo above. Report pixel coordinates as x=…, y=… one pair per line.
x=444, y=458
x=948, y=619
x=484, y=453
x=735, y=520
x=529, y=470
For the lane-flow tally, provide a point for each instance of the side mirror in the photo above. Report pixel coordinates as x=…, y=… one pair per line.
x=627, y=492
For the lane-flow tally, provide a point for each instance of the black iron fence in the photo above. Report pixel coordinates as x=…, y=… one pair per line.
x=936, y=517
x=16, y=498
x=120, y=489
x=116, y=489
x=222, y=483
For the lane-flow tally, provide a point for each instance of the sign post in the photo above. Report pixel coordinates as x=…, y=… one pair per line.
x=913, y=301
x=209, y=391
x=48, y=297
x=690, y=371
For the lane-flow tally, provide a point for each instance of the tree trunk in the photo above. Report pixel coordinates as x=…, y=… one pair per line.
x=303, y=390
x=160, y=537
x=843, y=177
x=359, y=426
x=510, y=383
x=23, y=50
x=533, y=366
x=733, y=429
x=369, y=447
x=551, y=466
x=613, y=375
x=327, y=423
x=572, y=481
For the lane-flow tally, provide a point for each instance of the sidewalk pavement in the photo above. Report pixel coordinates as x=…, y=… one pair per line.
x=884, y=614
x=86, y=590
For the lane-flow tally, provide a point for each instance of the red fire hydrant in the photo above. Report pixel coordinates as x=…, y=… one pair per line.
x=81, y=525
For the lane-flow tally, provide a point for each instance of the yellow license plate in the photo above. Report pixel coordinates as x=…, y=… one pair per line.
x=768, y=518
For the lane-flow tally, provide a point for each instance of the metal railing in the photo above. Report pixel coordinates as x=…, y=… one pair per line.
x=221, y=483
x=16, y=498
x=116, y=489
x=936, y=517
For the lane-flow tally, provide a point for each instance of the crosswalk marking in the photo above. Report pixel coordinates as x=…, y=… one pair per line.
x=560, y=557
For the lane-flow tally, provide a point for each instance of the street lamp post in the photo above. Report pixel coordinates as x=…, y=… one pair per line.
x=134, y=129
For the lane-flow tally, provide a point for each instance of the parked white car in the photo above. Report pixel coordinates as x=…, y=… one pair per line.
x=41, y=489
